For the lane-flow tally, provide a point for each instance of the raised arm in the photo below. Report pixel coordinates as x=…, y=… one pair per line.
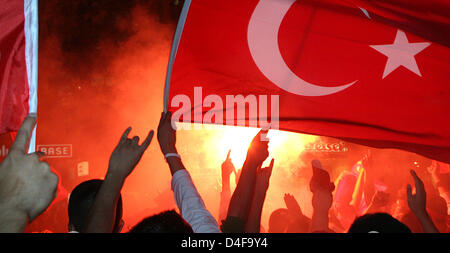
x=292, y=205
x=243, y=194
x=321, y=188
x=27, y=186
x=123, y=160
x=417, y=204
x=225, y=195
x=253, y=223
x=167, y=140
x=188, y=199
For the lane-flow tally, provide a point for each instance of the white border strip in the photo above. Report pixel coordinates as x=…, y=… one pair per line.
x=173, y=52
x=31, y=58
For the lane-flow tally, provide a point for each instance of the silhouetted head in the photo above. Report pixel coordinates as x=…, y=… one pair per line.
x=300, y=225
x=81, y=200
x=279, y=221
x=165, y=222
x=378, y=223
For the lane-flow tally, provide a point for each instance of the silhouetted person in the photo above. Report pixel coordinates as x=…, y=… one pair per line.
x=164, y=222
x=378, y=223
x=279, y=221
x=80, y=202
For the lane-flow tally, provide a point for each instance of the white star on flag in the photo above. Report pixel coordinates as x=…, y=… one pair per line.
x=401, y=53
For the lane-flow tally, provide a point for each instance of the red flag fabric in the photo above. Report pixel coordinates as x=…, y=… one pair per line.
x=18, y=62
x=371, y=73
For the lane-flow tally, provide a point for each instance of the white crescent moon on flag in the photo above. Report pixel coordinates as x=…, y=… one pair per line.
x=262, y=36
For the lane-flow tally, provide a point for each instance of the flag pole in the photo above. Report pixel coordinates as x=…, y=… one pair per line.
x=31, y=28
x=173, y=52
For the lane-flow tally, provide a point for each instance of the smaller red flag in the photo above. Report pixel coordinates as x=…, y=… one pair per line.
x=18, y=62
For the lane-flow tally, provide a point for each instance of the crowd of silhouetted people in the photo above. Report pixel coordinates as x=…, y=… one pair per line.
x=356, y=204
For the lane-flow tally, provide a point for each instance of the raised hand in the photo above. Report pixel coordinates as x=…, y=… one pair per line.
x=227, y=166
x=127, y=154
x=263, y=177
x=320, y=179
x=322, y=199
x=321, y=187
x=166, y=134
x=27, y=185
x=253, y=217
x=292, y=205
x=417, y=202
x=258, y=150
x=248, y=197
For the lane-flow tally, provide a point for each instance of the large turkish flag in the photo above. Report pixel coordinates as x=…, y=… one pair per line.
x=377, y=75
